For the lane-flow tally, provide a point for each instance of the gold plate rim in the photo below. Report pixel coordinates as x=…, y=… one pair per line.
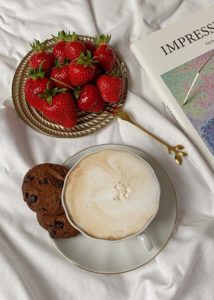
x=88, y=122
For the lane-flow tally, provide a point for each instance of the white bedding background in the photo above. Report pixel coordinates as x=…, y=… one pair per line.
x=30, y=267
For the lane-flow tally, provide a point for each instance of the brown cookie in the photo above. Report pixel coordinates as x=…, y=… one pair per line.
x=57, y=226
x=42, y=188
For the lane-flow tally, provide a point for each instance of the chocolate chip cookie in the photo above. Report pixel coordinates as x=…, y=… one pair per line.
x=42, y=188
x=57, y=226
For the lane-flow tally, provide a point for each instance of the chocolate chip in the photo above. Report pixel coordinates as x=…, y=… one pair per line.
x=43, y=181
x=32, y=199
x=58, y=225
x=28, y=178
x=52, y=234
x=59, y=183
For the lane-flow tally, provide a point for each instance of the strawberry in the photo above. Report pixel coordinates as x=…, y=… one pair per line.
x=59, y=51
x=41, y=57
x=34, y=87
x=59, y=48
x=90, y=99
x=110, y=87
x=90, y=46
x=104, y=54
x=74, y=48
x=60, y=108
x=60, y=76
x=82, y=70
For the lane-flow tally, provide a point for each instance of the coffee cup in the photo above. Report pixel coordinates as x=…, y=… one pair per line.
x=111, y=195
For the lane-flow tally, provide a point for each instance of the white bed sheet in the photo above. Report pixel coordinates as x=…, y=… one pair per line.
x=30, y=267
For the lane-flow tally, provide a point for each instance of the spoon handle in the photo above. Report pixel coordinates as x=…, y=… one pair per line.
x=178, y=149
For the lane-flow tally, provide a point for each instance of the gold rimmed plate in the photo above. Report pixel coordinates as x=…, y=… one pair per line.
x=112, y=258
x=87, y=123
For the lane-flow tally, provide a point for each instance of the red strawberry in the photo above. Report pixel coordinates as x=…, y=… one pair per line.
x=90, y=99
x=90, y=46
x=82, y=70
x=110, y=87
x=60, y=76
x=34, y=87
x=41, y=57
x=59, y=49
x=74, y=48
x=60, y=108
x=104, y=54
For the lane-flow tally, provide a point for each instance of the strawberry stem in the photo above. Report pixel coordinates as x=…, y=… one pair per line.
x=37, y=73
x=60, y=64
x=37, y=46
x=65, y=84
x=77, y=92
x=49, y=99
x=85, y=60
x=74, y=37
x=102, y=39
x=116, y=72
x=63, y=36
x=50, y=93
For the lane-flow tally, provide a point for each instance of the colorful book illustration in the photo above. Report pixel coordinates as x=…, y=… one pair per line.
x=179, y=60
x=200, y=107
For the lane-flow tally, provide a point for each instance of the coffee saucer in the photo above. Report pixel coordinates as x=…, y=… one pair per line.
x=126, y=255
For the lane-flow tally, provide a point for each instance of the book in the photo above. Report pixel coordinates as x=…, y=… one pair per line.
x=179, y=60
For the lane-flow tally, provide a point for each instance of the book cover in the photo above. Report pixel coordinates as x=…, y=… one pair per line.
x=173, y=57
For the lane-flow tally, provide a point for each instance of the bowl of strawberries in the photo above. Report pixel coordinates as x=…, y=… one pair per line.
x=67, y=85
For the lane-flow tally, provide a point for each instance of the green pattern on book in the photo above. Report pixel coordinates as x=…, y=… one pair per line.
x=200, y=106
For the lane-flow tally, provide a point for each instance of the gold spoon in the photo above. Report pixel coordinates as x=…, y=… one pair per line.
x=178, y=149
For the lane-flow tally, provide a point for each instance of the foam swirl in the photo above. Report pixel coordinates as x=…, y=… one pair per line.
x=112, y=194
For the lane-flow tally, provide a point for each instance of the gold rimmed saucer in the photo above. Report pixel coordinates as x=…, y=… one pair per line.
x=87, y=123
x=113, y=258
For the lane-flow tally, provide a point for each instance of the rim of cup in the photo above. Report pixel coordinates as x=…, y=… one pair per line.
x=69, y=218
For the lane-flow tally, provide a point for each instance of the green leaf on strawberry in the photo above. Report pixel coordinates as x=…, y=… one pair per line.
x=38, y=46
x=85, y=60
x=48, y=94
x=102, y=39
x=62, y=36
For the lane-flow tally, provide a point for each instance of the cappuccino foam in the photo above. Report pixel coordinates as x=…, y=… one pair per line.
x=111, y=194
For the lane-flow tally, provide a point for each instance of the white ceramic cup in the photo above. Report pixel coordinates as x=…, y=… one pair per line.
x=141, y=235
